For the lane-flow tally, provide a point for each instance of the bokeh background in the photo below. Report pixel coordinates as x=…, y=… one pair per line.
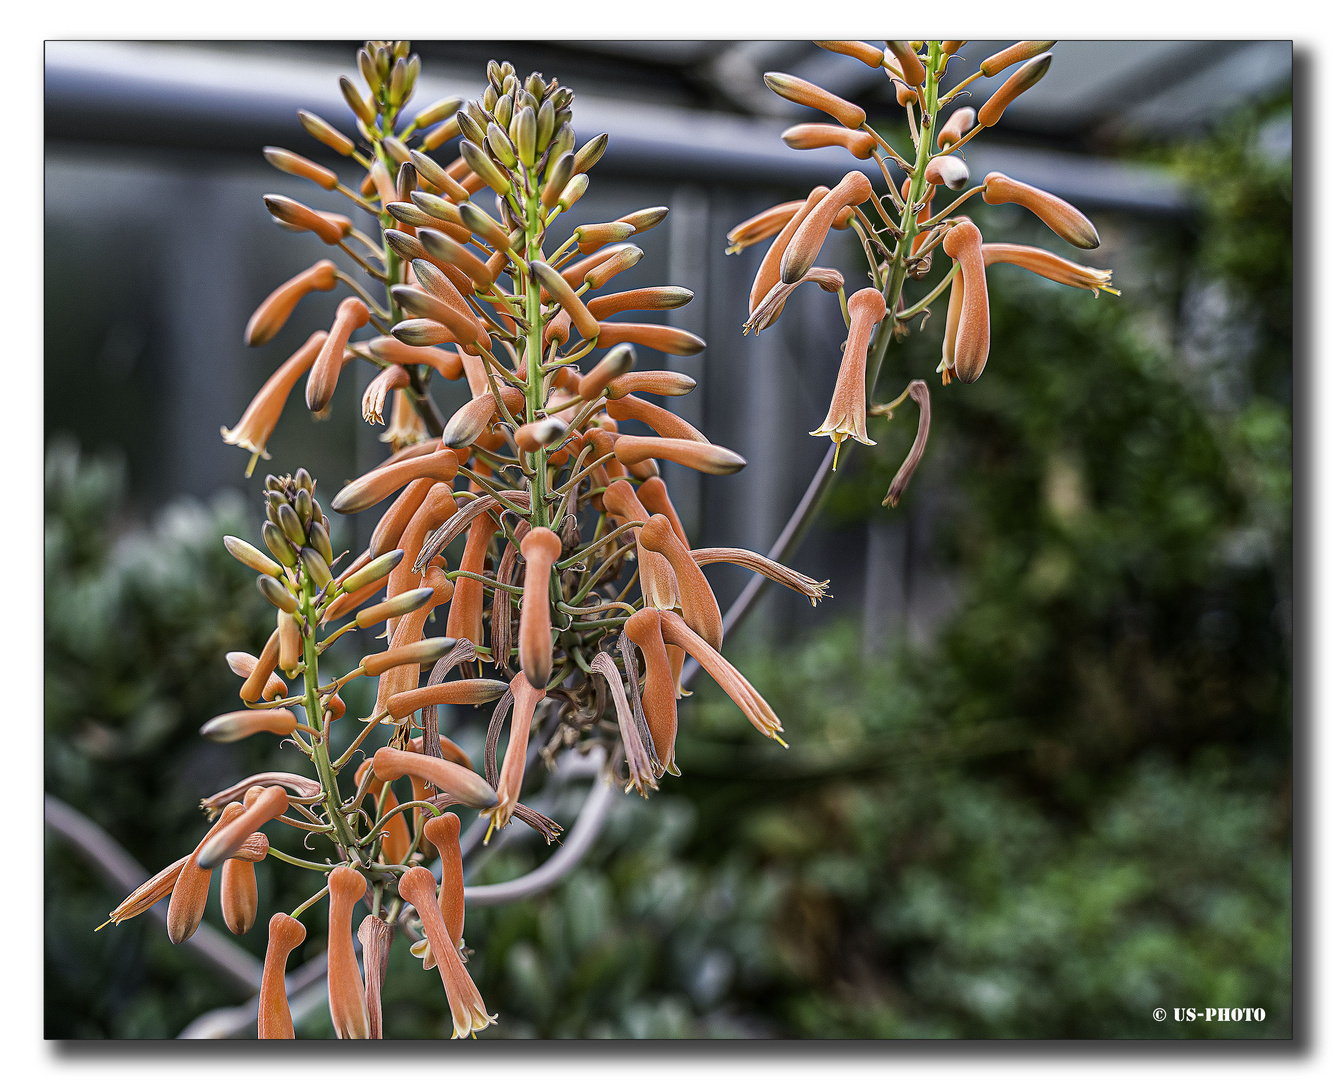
x=1039, y=776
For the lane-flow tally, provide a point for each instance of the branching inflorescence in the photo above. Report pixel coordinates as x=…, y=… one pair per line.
x=899, y=229
x=577, y=596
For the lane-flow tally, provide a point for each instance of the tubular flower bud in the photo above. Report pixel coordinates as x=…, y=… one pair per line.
x=329, y=227
x=244, y=664
x=659, y=700
x=251, y=557
x=391, y=526
x=290, y=646
x=466, y=608
x=391, y=350
x=961, y=121
x=590, y=238
x=1047, y=264
x=443, y=832
x=443, y=249
x=663, y=383
x=953, y=323
x=233, y=726
x=257, y=423
x=676, y=632
x=1014, y=54
x=1063, y=218
x=654, y=496
x=426, y=651
x=396, y=839
x=531, y=438
x=703, y=457
x=393, y=608
x=1021, y=80
x=860, y=50
x=370, y=488
x=527, y=698
x=373, y=571
x=464, y=328
x=589, y=154
x=661, y=421
x=658, y=298
x=467, y=1011
x=803, y=248
x=351, y=315
x=463, y=786
x=442, y=109
x=223, y=844
x=905, y=93
x=273, y=312
x=318, y=129
x=802, y=92
x=540, y=549
x=666, y=339
x=971, y=350
x=623, y=257
x=950, y=172
x=276, y=594
x=816, y=136
x=813, y=589
x=699, y=606
x=484, y=168
x=617, y=362
x=190, y=891
x=761, y=226
x=348, y=1003
x=457, y=692
x=436, y=510
x=433, y=174
x=472, y=419
x=258, y=680
x=481, y=224
x=848, y=416
x=559, y=290
x=239, y=895
x=285, y=934
x=645, y=220
x=296, y=165
x=912, y=68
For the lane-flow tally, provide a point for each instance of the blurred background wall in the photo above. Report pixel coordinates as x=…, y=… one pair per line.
x=158, y=248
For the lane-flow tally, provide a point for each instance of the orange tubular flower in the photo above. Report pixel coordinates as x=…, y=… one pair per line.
x=1063, y=218
x=699, y=606
x=816, y=136
x=954, y=301
x=331, y=228
x=352, y=314
x=560, y=291
x=1017, y=84
x=435, y=511
x=768, y=273
x=463, y=786
x=540, y=548
x=348, y=1002
x=971, y=350
x=912, y=68
x=467, y=1010
x=443, y=831
x=661, y=421
x=659, y=586
x=190, y=891
x=655, y=298
x=807, y=242
x=369, y=489
x=456, y=692
x=391, y=350
x=617, y=363
x=848, y=416
x=385, y=537
x=472, y=419
x=1054, y=267
x=266, y=685
x=406, y=633
x=239, y=895
x=654, y=496
x=667, y=339
x=703, y=457
x=659, y=700
x=527, y=698
x=443, y=249
x=1014, y=54
x=230, y=727
x=676, y=632
x=761, y=226
x=257, y=423
x=223, y=843
x=860, y=50
x=466, y=608
x=273, y=312
x=285, y=934
x=376, y=936
x=802, y=92
x=961, y=121
x=373, y=398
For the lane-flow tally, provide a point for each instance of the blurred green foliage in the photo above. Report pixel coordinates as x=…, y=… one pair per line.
x=1069, y=809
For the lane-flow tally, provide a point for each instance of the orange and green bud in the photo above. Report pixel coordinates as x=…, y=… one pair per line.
x=1022, y=80
x=1014, y=54
x=1063, y=218
x=802, y=92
